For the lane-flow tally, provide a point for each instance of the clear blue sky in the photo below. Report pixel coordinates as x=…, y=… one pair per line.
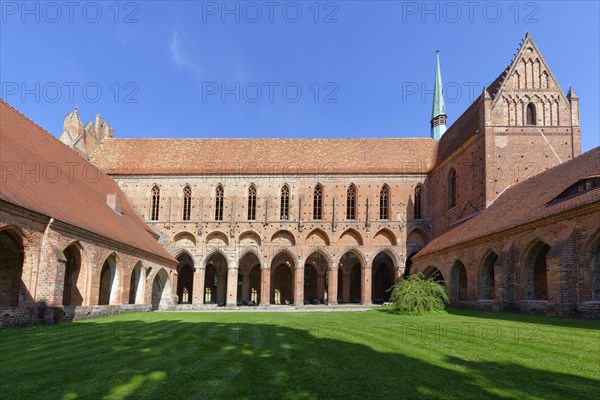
x=161, y=66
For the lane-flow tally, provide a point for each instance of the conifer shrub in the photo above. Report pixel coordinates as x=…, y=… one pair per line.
x=417, y=295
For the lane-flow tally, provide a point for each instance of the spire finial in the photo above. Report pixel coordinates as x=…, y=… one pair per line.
x=438, y=113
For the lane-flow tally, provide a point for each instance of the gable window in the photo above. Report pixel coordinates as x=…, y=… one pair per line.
x=384, y=203
x=219, y=198
x=417, y=205
x=581, y=186
x=285, y=203
x=187, y=203
x=155, y=203
x=530, y=119
x=252, y=203
x=318, y=202
x=452, y=189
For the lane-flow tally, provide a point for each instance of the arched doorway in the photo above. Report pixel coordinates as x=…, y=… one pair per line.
x=161, y=296
x=185, y=279
x=536, y=272
x=136, y=285
x=11, y=268
x=73, y=282
x=249, y=276
x=435, y=274
x=487, y=277
x=282, y=279
x=349, y=278
x=408, y=265
x=383, y=278
x=108, y=282
x=315, y=279
x=459, y=284
x=215, y=280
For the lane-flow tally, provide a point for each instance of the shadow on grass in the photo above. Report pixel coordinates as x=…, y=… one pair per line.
x=176, y=359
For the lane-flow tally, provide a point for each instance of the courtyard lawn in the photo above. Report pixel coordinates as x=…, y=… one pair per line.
x=464, y=354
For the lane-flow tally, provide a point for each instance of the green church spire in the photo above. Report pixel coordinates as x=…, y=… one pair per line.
x=438, y=113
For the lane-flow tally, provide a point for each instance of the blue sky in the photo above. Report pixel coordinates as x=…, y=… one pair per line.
x=281, y=69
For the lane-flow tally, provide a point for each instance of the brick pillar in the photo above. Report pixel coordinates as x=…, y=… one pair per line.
x=365, y=283
x=346, y=286
x=246, y=287
x=232, y=286
x=332, y=289
x=198, y=289
x=299, y=285
x=321, y=285
x=265, y=286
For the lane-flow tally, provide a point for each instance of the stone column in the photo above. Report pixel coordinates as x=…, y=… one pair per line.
x=198, y=289
x=299, y=285
x=232, y=286
x=245, y=287
x=332, y=289
x=265, y=286
x=365, y=283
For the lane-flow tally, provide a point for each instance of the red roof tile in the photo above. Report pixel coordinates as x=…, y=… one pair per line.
x=41, y=174
x=264, y=156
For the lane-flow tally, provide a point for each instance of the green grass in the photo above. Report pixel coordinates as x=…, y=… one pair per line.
x=464, y=354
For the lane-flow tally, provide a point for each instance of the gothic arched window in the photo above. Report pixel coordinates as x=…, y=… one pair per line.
x=384, y=203
x=155, y=203
x=417, y=205
x=187, y=203
x=219, y=199
x=351, y=202
x=318, y=202
x=252, y=203
x=452, y=188
x=285, y=202
x=531, y=114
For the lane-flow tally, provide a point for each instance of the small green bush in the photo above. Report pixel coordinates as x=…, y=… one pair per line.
x=417, y=295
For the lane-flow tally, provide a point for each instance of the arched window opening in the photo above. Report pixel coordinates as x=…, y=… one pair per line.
x=384, y=203
x=452, y=189
x=417, y=205
x=252, y=203
x=187, y=203
x=318, y=202
x=531, y=119
x=285, y=203
x=219, y=198
x=155, y=203
x=351, y=203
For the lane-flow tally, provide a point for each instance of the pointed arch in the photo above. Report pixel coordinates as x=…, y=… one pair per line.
x=592, y=256
x=435, y=274
x=351, y=199
x=385, y=237
x=384, y=202
x=11, y=266
x=351, y=237
x=283, y=238
x=383, y=276
x=136, y=284
x=187, y=203
x=155, y=203
x=284, y=202
x=252, y=203
x=458, y=282
x=219, y=202
x=185, y=278
x=317, y=237
x=249, y=238
x=161, y=293
x=108, y=287
x=535, y=271
x=74, y=281
x=184, y=239
x=318, y=202
x=487, y=278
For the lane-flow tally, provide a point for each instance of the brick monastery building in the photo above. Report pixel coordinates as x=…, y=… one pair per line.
x=501, y=208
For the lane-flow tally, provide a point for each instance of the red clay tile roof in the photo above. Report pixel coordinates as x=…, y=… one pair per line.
x=264, y=156
x=526, y=202
x=41, y=174
x=462, y=129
